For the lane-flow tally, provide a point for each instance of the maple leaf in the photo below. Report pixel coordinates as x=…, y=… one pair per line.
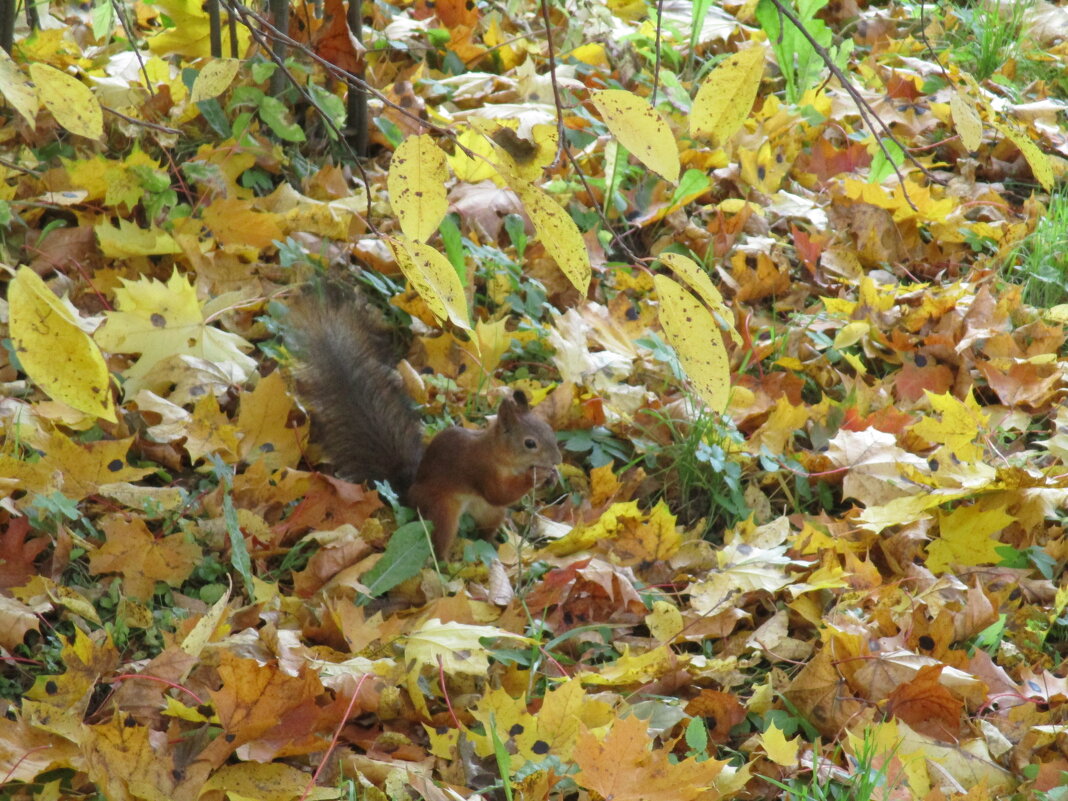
x=161, y=321
x=927, y=706
x=272, y=713
x=142, y=559
x=965, y=537
x=623, y=767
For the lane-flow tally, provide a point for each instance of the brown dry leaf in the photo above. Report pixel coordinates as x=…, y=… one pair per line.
x=17, y=554
x=132, y=551
x=1032, y=387
x=757, y=275
x=330, y=37
x=587, y=591
x=623, y=768
x=28, y=750
x=927, y=706
x=720, y=711
x=16, y=618
x=823, y=696
x=328, y=503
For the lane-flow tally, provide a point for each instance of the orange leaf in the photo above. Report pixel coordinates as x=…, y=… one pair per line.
x=623, y=768
x=273, y=713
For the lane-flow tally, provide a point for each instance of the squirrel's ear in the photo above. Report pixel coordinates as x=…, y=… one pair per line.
x=511, y=409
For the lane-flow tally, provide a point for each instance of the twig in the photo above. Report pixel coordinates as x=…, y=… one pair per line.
x=445, y=692
x=144, y=123
x=656, y=46
x=186, y=690
x=131, y=38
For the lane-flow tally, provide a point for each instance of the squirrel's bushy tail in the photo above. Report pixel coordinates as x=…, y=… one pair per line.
x=361, y=414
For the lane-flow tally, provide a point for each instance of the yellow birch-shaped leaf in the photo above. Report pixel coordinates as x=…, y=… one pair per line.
x=71, y=102
x=966, y=121
x=434, y=278
x=686, y=269
x=691, y=330
x=1037, y=160
x=726, y=97
x=214, y=79
x=558, y=234
x=641, y=129
x=54, y=351
x=416, y=185
x=18, y=90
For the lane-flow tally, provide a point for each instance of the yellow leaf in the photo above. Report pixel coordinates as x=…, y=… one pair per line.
x=435, y=279
x=18, y=90
x=664, y=622
x=71, y=102
x=632, y=669
x=558, y=234
x=143, y=559
x=129, y=240
x=1038, y=161
x=779, y=750
x=852, y=333
x=263, y=420
x=591, y=53
x=55, y=352
x=958, y=427
x=214, y=79
x=698, y=280
x=966, y=120
x=190, y=34
x=641, y=129
x=692, y=332
x=726, y=96
x=477, y=167
x=452, y=647
x=965, y=537
x=416, y=185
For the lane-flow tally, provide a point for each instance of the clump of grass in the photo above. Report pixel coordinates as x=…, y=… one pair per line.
x=990, y=35
x=1040, y=262
x=701, y=472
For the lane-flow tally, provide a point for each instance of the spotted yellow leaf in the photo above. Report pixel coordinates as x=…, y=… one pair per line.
x=558, y=234
x=641, y=129
x=416, y=185
x=71, y=102
x=18, y=90
x=435, y=279
x=53, y=349
x=966, y=121
x=726, y=96
x=691, y=330
x=214, y=79
x=1038, y=161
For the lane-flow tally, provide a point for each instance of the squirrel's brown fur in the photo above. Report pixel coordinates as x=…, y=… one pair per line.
x=369, y=429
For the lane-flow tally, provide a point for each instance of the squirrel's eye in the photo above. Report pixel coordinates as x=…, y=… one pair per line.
x=530, y=443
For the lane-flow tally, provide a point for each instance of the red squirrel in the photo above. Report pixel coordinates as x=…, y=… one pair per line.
x=368, y=427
